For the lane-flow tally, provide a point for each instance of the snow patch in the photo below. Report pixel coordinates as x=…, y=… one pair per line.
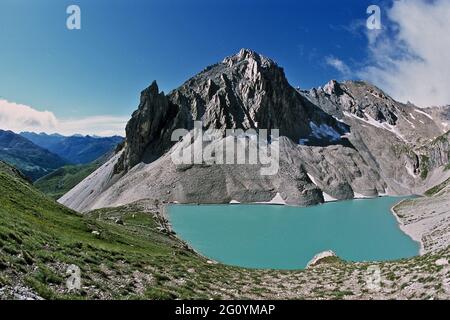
x=313, y=180
x=276, y=200
x=375, y=123
x=234, y=202
x=410, y=171
x=373, y=94
x=360, y=196
x=424, y=113
x=412, y=124
x=324, y=131
x=327, y=197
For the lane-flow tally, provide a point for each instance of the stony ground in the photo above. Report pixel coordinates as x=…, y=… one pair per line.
x=427, y=219
x=130, y=253
x=127, y=253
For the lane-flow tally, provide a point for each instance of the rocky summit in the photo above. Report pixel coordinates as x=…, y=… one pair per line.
x=245, y=91
x=341, y=141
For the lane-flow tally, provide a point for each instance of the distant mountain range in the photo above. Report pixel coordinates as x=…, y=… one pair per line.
x=33, y=160
x=75, y=149
x=37, y=155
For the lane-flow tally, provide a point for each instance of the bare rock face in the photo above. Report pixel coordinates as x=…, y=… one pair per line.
x=398, y=140
x=441, y=116
x=245, y=91
x=365, y=102
x=435, y=154
x=358, y=98
x=148, y=127
x=342, y=141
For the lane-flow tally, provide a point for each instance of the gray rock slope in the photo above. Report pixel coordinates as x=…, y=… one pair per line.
x=427, y=219
x=246, y=91
x=396, y=136
x=342, y=141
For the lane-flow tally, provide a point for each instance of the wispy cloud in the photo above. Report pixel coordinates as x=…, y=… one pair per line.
x=409, y=58
x=338, y=64
x=18, y=117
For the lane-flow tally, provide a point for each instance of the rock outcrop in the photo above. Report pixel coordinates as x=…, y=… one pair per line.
x=393, y=137
x=149, y=128
x=321, y=258
x=365, y=102
x=427, y=219
x=434, y=154
x=245, y=91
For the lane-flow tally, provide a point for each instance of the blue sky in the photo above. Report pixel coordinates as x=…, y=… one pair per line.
x=124, y=45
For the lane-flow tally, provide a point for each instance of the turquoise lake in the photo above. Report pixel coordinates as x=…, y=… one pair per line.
x=287, y=237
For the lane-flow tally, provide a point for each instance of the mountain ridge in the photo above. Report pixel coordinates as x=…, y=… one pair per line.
x=342, y=141
x=76, y=149
x=234, y=94
x=33, y=160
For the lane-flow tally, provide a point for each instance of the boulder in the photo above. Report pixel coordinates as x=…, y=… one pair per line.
x=319, y=258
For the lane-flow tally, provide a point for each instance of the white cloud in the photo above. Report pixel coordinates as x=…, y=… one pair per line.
x=19, y=117
x=409, y=58
x=338, y=64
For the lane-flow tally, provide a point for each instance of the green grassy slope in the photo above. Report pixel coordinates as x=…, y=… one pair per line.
x=60, y=181
x=125, y=253
x=436, y=189
x=39, y=239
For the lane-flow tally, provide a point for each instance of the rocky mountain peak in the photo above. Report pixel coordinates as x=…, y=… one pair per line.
x=358, y=98
x=362, y=101
x=251, y=56
x=151, y=91
x=333, y=88
x=245, y=91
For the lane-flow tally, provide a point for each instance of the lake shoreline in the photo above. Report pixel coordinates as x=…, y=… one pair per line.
x=195, y=226
x=410, y=230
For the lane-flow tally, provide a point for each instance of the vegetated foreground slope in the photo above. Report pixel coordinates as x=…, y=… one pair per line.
x=60, y=181
x=128, y=252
